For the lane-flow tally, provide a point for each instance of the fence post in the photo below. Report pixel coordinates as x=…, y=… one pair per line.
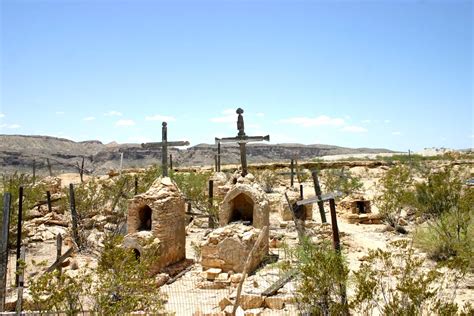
x=4, y=249
x=212, y=223
x=59, y=247
x=292, y=167
x=49, y=167
x=317, y=190
x=136, y=185
x=72, y=202
x=48, y=200
x=21, y=276
x=18, y=234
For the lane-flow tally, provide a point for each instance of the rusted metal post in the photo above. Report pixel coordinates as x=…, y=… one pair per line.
x=301, y=191
x=72, y=203
x=171, y=162
x=292, y=168
x=4, y=249
x=21, y=276
x=215, y=163
x=317, y=190
x=48, y=200
x=18, y=233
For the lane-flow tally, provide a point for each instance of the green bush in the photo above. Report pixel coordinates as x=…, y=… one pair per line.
x=125, y=283
x=396, y=192
x=267, y=179
x=449, y=231
x=120, y=285
x=393, y=282
x=321, y=279
x=341, y=180
x=54, y=292
x=194, y=187
x=32, y=194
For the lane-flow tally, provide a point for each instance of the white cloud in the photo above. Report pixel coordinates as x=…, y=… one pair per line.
x=260, y=114
x=396, y=133
x=322, y=120
x=113, y=113
x=161, y=118
x=10, y=126
x=386, y=121
x=59, y=113
x=366, y=121
x=125, y=123
x=354, y=129
x=2, y=115
x=89, y=118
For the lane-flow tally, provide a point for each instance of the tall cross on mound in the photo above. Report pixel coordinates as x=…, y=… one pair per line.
x=242, y=140
x=164, y=147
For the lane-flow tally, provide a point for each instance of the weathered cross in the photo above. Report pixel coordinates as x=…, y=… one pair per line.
x=242, y=140
x=164, y=147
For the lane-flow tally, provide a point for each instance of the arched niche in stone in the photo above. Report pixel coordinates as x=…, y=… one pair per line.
x=246, y=203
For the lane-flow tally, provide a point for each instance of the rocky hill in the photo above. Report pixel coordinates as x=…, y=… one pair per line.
x=19, y=153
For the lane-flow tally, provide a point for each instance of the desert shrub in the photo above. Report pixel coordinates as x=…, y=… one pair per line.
x=321, y=279
x=267, y=179
x=194, y=187
x=54, y=292
x=393, y=282
x=396, y=192
x=32, y=193
x=120, y=285
x=124, y=282
x=341, y=180
x=449, y=232
x=146, y=179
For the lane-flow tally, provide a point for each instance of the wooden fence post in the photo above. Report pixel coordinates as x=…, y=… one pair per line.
x=48, y=200
x=49, y=167
x=136, y=185
x=212, y=223
x=317, y=189
x=34, y=171
x=72, y=202
x=59, y=248
x=292, y=168
x=4, y=249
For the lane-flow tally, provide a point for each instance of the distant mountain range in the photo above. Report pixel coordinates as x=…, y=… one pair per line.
x=18, y=152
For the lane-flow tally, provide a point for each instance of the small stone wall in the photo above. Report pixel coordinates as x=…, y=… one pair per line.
x=228, y=247
x=160, y=211
x=293, y=196
x=358, y=210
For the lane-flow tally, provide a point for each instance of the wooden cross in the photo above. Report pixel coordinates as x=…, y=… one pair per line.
x=164, y=147
x=292, y=172
x=242, y=139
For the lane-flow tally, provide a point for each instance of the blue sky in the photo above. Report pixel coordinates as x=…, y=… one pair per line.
x=392, y=74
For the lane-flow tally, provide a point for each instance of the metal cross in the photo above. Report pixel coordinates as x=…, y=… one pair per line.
x=164, y=147
x=242, y=139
